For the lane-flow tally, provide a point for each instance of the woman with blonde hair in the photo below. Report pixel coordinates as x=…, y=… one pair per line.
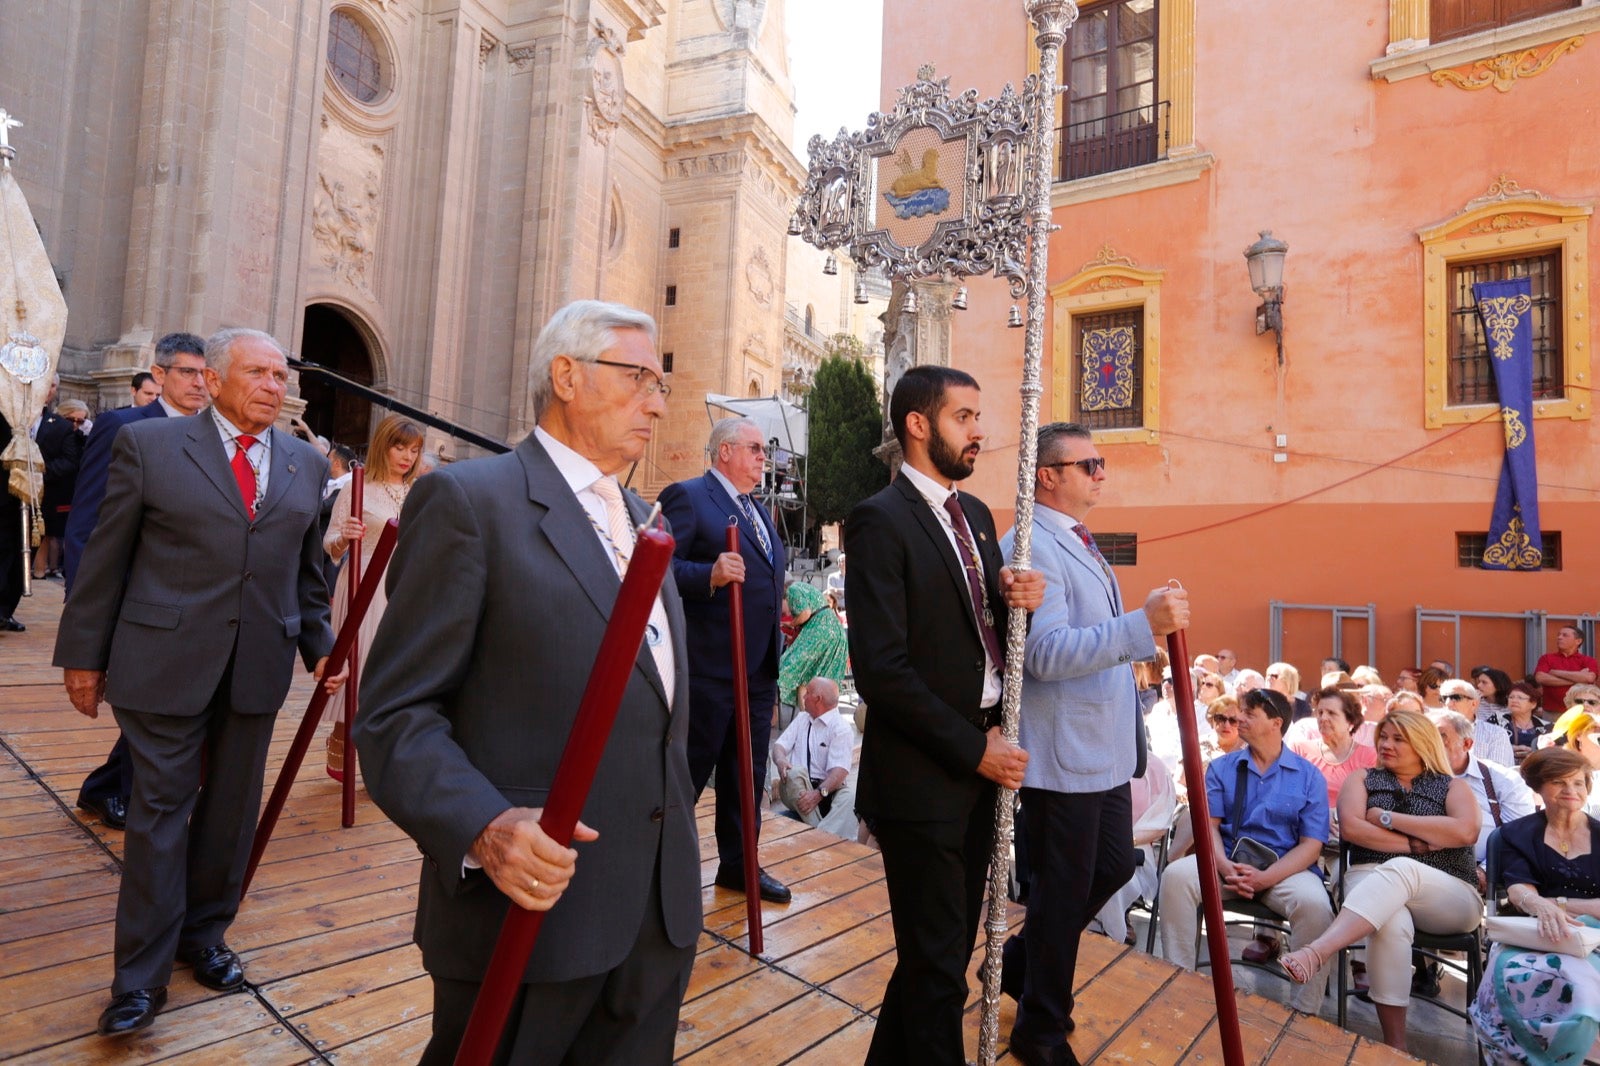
x=392, y=465
x=1411, y=826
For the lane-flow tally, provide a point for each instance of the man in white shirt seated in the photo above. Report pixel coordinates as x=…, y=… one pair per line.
x=1490, y=740
x=812, y=758
x=1500, y=791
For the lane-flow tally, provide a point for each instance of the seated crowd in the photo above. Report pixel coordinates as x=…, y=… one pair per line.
x=1410, y=781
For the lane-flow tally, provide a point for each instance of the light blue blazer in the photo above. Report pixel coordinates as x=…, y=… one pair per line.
x=1081, y=722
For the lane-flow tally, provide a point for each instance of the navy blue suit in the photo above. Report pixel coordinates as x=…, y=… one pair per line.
x=92, y=473
x=115, y=776
x=699, y=510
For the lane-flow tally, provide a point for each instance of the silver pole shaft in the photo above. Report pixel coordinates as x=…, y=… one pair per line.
x=1051, y=19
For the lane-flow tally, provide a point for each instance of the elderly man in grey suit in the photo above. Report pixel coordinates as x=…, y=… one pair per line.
x=499, y=595
x=200, y=581
x=1083, y=732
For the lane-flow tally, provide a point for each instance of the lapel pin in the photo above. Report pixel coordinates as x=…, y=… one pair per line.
x=983, y=536
x=291, y=468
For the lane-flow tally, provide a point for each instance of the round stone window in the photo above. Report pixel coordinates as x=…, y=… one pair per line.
x=355, y=58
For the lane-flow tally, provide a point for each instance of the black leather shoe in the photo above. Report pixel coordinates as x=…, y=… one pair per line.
x=11, y=625
x=1044, y=1054
x=132, y=1011
x=771, y=889
x=217, y=967
x=112, y=811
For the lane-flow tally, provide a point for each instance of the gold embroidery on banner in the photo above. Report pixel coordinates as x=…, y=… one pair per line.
x=1500, y=315
x=1505, y=70
x=1514, y=550
x=1107, y=369
x=1516, y=431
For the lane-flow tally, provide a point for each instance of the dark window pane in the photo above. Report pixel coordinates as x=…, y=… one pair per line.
x=1471, y=546
x=1120, y=549
x=1113, y=117
x=1469, y=373
x=353, y=58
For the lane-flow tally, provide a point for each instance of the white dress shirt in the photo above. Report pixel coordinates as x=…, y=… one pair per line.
x=258, y=455
x=936, y=494
x=1516, y=798
x=820, y=745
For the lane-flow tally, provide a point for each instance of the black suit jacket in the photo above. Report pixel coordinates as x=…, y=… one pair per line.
x=499, y=593
x=917, y=653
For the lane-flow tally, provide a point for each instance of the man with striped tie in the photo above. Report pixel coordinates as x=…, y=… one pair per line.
x=700, y=510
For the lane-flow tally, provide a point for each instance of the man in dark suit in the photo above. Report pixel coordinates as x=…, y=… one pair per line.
x=201, y=580
x=928, y=605
x=1081, y=718
x=700, y=511
x=179, y=372
x=499, y=596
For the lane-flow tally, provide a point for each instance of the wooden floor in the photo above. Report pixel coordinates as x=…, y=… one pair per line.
x=333, y=976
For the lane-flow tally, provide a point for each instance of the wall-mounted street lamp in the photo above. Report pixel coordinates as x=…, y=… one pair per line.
x=1265, y=259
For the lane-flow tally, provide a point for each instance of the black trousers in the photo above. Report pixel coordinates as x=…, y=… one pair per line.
x=627, y=1016
x=714, y=744
x=1080, y=846
x=10, y=554
x=114, y=777
x=936, y=873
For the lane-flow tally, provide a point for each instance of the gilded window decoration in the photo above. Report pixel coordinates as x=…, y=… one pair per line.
x=1510, y=232
x=1107, y=349
x=1506, y=69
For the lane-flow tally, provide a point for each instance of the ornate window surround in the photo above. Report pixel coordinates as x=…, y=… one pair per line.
x=1410, y=54
x=1517, y=224
x=1175, y=65
x=1108, y=282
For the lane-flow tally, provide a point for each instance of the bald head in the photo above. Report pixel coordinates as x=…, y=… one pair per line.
x=822, y=696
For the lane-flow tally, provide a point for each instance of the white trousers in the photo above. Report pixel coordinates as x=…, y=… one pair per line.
x=1399, y=897
x=1300, y=898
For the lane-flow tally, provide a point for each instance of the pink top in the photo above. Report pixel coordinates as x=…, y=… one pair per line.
x=1361, y=757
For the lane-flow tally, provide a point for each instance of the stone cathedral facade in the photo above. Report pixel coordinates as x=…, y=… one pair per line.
x=405, y=190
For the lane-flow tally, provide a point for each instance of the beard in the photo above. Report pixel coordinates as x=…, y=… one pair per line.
x=947, y=460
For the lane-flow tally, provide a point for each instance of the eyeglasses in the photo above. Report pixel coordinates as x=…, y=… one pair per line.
x=77, y=421
x=1457, y=696
x=755, y=449
x=1273, y=677
x=647, y=381
x=1587, y=701
x=1209, y=684
x=1223, y=719
x=193, y=373
x=1091, y=466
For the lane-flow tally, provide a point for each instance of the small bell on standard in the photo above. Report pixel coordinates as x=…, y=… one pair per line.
x=830, y=265
x=909, y=306
x=861, y=291
x=794, y=224
x=1014, y=319
x=959, y=300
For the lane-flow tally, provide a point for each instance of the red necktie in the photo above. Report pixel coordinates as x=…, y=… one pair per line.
x=991, y=639
x=244, y=473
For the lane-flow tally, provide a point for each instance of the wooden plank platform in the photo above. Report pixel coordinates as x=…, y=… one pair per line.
x=334, y=977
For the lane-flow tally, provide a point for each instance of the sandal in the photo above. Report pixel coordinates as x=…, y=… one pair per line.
x=1294, y=964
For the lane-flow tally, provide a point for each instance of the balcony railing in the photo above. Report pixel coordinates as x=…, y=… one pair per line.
x=1114, y=142
x=804, y=328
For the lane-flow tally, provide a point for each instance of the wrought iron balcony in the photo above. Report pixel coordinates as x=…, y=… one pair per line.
x=1114, y=142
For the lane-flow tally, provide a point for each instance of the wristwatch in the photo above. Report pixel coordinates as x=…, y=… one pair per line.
x=1385, y=819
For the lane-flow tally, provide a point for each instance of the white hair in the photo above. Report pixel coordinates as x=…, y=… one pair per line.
x=726, y=430
x=219, y=347
x=1457, y=722
x=584, y=330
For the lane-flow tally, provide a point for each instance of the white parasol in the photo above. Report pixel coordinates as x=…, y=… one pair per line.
x=33, y=323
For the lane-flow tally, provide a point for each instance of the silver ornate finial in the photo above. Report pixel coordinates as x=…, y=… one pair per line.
x=925, y=72
x=8, y=122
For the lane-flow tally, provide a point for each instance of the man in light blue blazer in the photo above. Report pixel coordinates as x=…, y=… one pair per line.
x=1082, y=729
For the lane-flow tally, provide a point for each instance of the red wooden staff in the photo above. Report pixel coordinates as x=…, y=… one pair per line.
x=347, y=813
x=569, y=789
x=1204, y=852
x=319, y=699
x=741, y=721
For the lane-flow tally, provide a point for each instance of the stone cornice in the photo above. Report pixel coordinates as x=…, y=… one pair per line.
x=747, y=133
x=1423, y=58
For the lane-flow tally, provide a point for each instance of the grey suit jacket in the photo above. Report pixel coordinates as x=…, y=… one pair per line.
x=1081, y=721
x=176, y=568
x=499, y=594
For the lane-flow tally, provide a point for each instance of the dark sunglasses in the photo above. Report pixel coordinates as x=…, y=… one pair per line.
x=1587, y=701
x=1091, y=466
x=1457, y=696
x=1223, y=719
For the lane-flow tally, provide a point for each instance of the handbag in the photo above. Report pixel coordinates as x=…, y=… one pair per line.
x=1521, y=932
x=1246, y=850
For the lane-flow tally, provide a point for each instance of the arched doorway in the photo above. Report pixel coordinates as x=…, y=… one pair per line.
x=332, y=340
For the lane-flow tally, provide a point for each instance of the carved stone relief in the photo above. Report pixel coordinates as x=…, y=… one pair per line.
x=758, y=275
x=346, y=204
x=606, y=95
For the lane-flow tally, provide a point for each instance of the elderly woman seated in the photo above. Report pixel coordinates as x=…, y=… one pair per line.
x=1541, y=1006
x=1410, y=825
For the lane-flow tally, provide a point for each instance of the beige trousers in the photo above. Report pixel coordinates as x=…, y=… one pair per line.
x=1399, y=897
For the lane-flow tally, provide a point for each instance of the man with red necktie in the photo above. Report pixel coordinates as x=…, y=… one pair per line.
x=929, y=599
x=201, y=580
